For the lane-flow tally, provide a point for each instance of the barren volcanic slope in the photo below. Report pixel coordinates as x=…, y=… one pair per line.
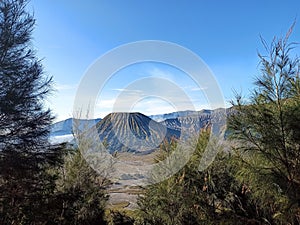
x=192, y=121
x=133, y=132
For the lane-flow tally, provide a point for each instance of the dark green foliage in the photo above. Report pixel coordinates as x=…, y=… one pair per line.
x=212, y=196
x=120, y=218
x=268, y=140
x=30, y=189
x=81, y=193
x=257, y=183
x=25, y=154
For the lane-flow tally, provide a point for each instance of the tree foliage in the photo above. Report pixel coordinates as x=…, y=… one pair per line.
x=258, y=181
x=81, y=195
x=212, y=196
x=25, y=154
x=38, y=184
x=266, y=130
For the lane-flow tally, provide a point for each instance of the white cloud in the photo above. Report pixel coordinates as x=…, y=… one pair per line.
x=198, y=88
x=128, y=90
x=194, y=88
x=157, y=72
x=178, y=78
x=147, y=105
x=106, y=103
x=161, y=91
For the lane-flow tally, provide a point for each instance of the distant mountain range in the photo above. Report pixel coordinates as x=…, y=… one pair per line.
x=174, y=115
x=66, y=126
x=62, y=131
x=135, y=132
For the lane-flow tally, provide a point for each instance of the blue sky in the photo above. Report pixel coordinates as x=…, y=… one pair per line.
x=71, y=35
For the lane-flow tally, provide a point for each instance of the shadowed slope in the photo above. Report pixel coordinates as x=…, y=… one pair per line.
x=133, y=132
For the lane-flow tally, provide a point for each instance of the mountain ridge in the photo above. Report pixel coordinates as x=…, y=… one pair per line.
x=125, y=131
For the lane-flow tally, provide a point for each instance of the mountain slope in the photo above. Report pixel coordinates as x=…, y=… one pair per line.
x=65, y=127
x=62, y=131
x=133, y=132
x=174, y=115
x=189, y=122
x=137, y=132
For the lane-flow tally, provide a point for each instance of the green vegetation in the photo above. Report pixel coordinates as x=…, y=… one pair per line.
x=256, y=180
x=39, y=183
x=81, y=192
x=26, y=187
x=212, y=196
x=267, y=133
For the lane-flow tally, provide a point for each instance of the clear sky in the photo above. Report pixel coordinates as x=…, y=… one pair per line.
x=71, y=35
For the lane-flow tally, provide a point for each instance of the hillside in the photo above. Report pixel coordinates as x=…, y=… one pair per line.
x=174, y=115
x=133, y=132
x=62, y=131
x=141, y=133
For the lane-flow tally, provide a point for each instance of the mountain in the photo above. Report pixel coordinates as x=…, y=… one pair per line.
x=174, y=115
x=189, y=122
x=133, y=132
x=66, y=126
x=174, y=124
x=141, y=133
x=62, y=131
x=62, y=127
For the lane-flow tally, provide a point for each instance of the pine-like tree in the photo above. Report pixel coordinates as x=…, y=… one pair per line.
x=195, y=197
x=267, y=131
x=25, y=154
x=81, y=192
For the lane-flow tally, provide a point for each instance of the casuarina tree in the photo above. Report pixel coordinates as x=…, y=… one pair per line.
x=266, y=130
x=25, y=154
